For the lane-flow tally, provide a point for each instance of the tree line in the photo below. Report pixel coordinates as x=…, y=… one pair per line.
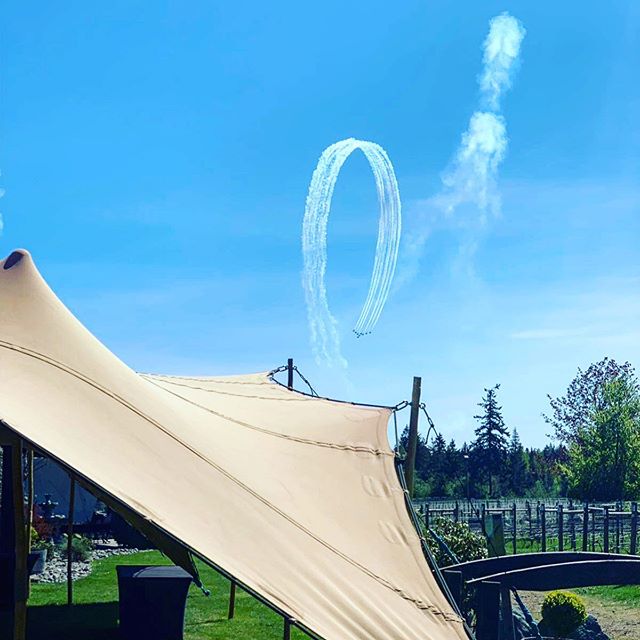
x=595, y=453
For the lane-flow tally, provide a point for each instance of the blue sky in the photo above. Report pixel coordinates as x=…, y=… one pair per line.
x=156, y=159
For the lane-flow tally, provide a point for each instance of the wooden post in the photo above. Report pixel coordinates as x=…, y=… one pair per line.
x=507, y=629
x=290, y=373
x=456, y=512
x=572, y=525
x=543, y=524
x=488, y=612
x=72, y=502
x=232, y=600
x=455, y=583
x=606, y=529
x=560, y=528
x=514, y=537
x=22, y=573
x=13, y=530
x=6, y=503
x=427, y=522
x=29, y=496
x=585, y=528
x=618, y=509
x=29, y=514
x=528, y=505
x=633, y=542
x=413, y=435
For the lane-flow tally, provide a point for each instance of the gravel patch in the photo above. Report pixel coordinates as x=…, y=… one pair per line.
x=617, y=621
x=55, y=570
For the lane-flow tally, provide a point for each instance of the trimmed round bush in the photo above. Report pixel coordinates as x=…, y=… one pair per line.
x=563, y=611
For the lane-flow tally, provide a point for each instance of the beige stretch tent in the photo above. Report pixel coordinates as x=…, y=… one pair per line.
x=295, y=497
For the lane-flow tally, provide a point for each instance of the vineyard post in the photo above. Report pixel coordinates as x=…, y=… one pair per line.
x=514, y=520
x=560, y=527
x=572, y=525
x=634, y=529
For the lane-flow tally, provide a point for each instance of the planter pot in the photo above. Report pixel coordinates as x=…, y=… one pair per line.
x=37, y=561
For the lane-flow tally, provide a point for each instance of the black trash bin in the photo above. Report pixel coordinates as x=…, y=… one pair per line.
x=152, y=602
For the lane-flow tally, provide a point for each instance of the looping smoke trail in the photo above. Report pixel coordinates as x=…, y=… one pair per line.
x=324, y=332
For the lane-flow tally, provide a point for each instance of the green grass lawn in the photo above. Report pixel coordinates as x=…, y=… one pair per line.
x=628, y=596
x=94, y=615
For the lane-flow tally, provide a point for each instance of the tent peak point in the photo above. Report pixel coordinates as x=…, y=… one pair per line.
x=14, y=257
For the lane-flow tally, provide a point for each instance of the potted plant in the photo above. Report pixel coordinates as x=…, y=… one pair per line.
x=40, y=547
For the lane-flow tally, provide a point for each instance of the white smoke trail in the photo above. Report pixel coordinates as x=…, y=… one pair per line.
x=471, y=177
x=325, y=337
x=501, y=57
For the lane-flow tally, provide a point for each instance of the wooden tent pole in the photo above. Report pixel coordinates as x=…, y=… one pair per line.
x=290, y=373
x=7, y=579
x=21, y=573
x=232, y=600
x=72, y=502
x=412, y=445
x=29, y=514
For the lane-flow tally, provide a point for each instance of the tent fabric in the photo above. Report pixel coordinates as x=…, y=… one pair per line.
x=294, y=496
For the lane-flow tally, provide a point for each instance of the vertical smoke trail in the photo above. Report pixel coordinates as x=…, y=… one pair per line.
x=501, y=57
x=471, y=177
x=324, y=331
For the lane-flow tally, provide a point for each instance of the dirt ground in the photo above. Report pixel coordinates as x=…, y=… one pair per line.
x=619, y=622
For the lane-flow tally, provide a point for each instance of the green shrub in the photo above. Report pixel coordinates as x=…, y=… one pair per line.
x=38, y=543
x=81, y=547
x=464, y=543
x=421, y=489
x=563, y=611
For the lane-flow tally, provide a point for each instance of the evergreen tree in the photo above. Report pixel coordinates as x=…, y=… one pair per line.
x=491, y=437
x=517, y=465
x=454, y=471
x=439, y=466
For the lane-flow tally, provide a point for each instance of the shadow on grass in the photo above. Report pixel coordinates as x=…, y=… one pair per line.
x=81, y=621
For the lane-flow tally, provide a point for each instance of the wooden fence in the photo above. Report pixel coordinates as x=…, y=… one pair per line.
x=542, y=526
